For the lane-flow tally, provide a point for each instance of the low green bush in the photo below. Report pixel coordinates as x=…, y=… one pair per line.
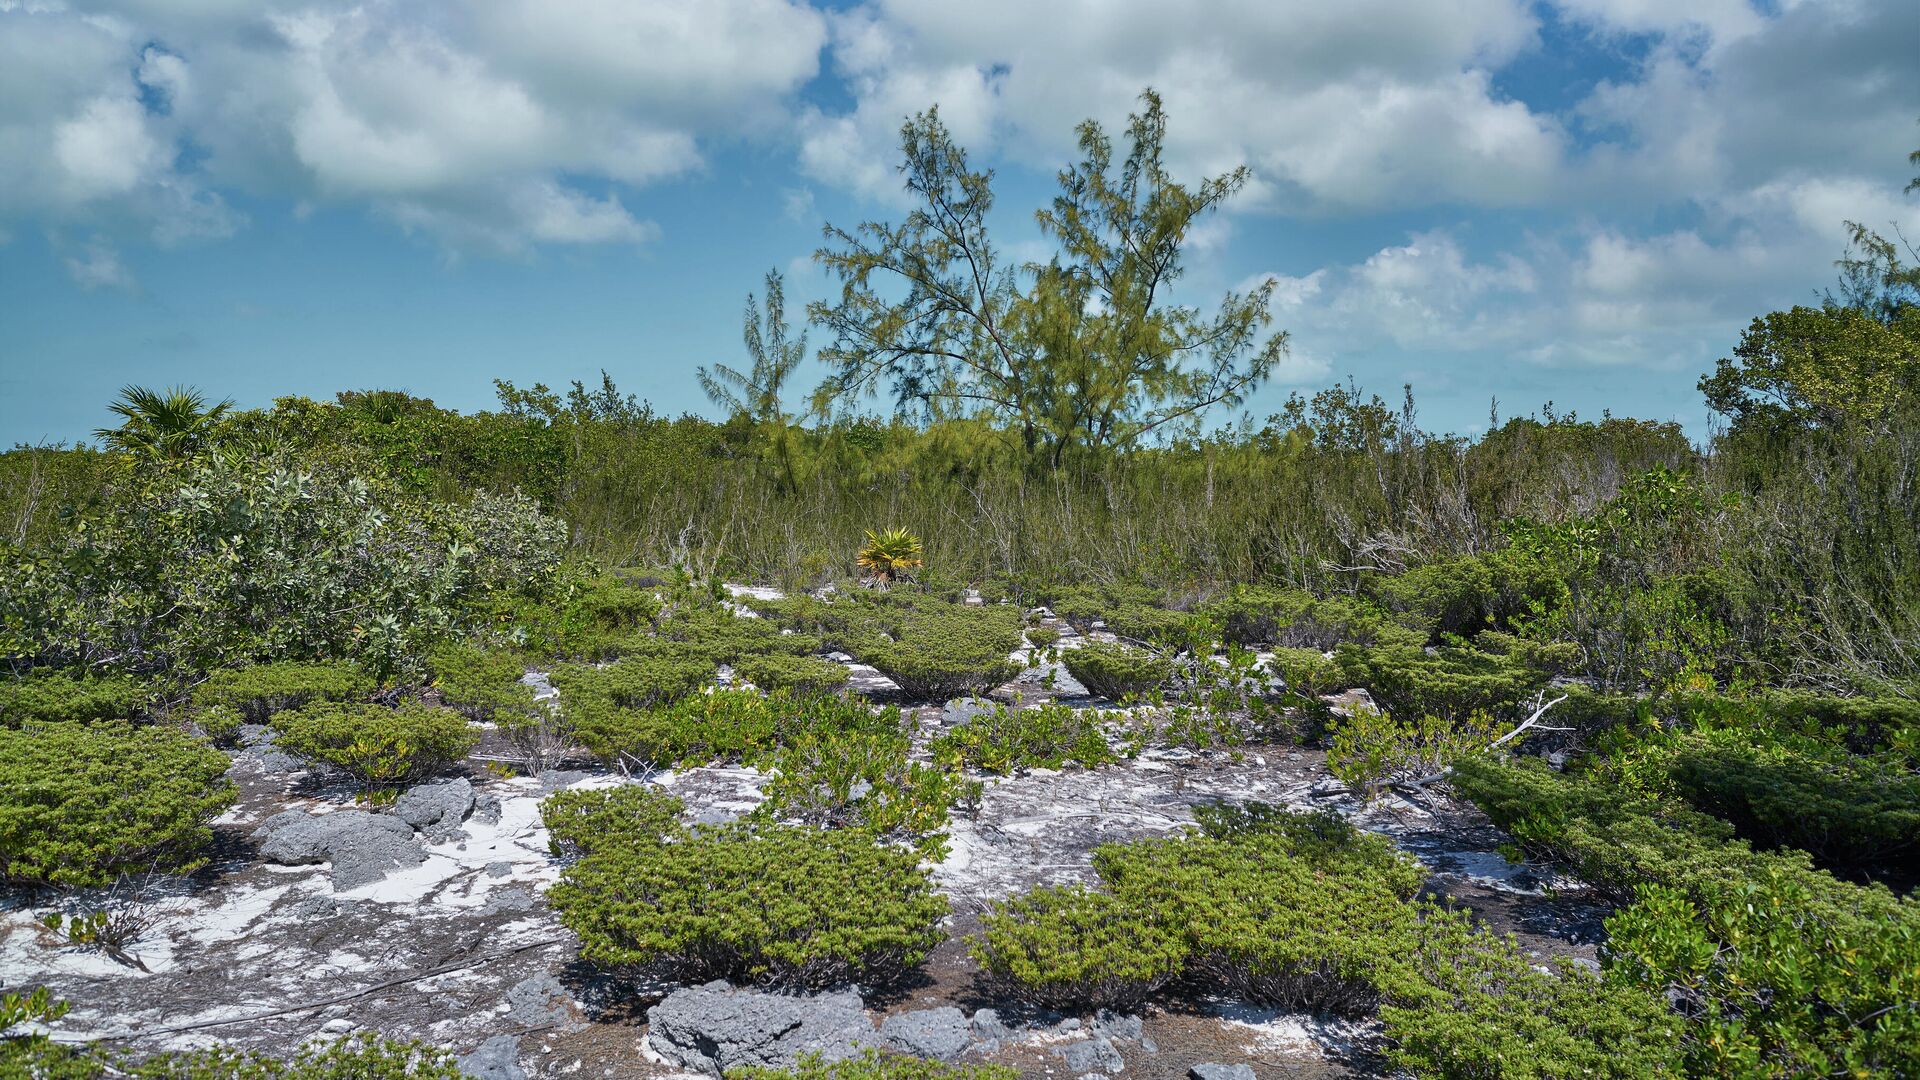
x=364, y=1057
x=1117, y=672
x=799, y=674
x=723, y=725
x=633, y=682
x=56, y=695
x=1295, y=619
x=1782, y=969
x=1472, y=1006
x=754, y=903
x=483, y=684
x=860, y=778
x=631, y=815
x=260, y=690
x=940, y=655
x=81, y=804
x=1076, y=948
x=1048, y=736
x=1309, y=673
x=726, y=638
x=1451, y=683
x=1369, y=748
x=376, y=745
x=1844, y=809
x=1042, y=637
x=875, y=1065
x=586, y=616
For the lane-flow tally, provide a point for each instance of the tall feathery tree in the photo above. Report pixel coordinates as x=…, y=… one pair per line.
x=162, y=424
x=1084, y=352
x=758, y=391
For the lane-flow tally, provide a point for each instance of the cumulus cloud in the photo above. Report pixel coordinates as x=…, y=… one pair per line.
x=98, y=266
x=495, y=125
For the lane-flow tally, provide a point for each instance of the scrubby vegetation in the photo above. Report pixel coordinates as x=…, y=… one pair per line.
x=376, y=745
x=756, y=903
x=82, y=803
x=1684, y=677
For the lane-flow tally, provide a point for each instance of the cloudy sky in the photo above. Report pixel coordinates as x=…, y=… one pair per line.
x=1580, y=201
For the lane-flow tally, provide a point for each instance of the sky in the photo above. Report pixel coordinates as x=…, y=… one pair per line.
x=1579, y=202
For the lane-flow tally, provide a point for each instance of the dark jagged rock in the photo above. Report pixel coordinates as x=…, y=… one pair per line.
x=362, y=847
x=714, y=1028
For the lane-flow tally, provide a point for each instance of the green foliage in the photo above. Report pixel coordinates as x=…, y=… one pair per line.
x=751, y=902
x=757, y=392
x=859, y=778
x=796, y=674
x=736, y=724
x=376, y=745
x=1048, y=736
x=936, y=653
x=1072, y=948
x=206, y=563
x=258, y=691
x=889, y=555
x=483, y=684
x=875, y=1065
x=1370, y=748
x=1481, y=1010
x=1308, y=673
x=1827, y=367
x=42, y=695
x=624, y=709
x=1042, y=637
x=1296, y=619
x=1784, y=969
x=162, y=424
x=1843, y=809
x=364, y=1057
x=1117, y=672
x=81, y=804
x=1083, y=352
x=1453, y=682
x=629, y=816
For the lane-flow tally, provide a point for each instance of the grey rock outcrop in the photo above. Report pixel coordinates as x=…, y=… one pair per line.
x=714, y=1028
x=1213, y=1070
x=540, y=1001
x=496, y=1059
x=1093, y=1054
x=362, y=847
x=940, y=1034
x=436, y=809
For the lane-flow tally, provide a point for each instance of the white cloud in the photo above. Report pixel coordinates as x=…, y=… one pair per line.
x=98, y=266
x=480, y=123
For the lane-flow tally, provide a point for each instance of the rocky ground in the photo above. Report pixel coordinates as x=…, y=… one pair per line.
x=319, y=917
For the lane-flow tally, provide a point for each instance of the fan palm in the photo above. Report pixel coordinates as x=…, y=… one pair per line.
x=171, y=423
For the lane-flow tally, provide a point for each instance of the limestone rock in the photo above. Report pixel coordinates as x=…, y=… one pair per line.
x=362, y=847
x=940, y=1034
x=496, y=1059
x=436, y=809
x=1213, y=1070
x=714, y=1028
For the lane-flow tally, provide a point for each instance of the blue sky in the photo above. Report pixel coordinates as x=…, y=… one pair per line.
x=1580, y=202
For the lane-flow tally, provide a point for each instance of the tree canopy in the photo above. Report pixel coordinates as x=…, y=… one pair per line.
x=1085, y=351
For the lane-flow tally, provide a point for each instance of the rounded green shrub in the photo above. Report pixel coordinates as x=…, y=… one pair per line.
x=374, y=744
x=82, y=803
x=1308, y=673
x=484, y=684
x=260, y=690
x=56, y=695
x=631, y=815
x=936, y=653
x=1117, y=672
x=754, y=903
x=800, y=674
x=1073, y=947
x=1048, y=736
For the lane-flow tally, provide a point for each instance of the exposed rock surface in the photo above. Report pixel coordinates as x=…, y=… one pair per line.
x=1089, y=1054
x=940, y=1034
x=1216, y=1071
x=436, y=809
x=541, y=1001
x=362, y=847
x=714, y=1028
x=496, y=1059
